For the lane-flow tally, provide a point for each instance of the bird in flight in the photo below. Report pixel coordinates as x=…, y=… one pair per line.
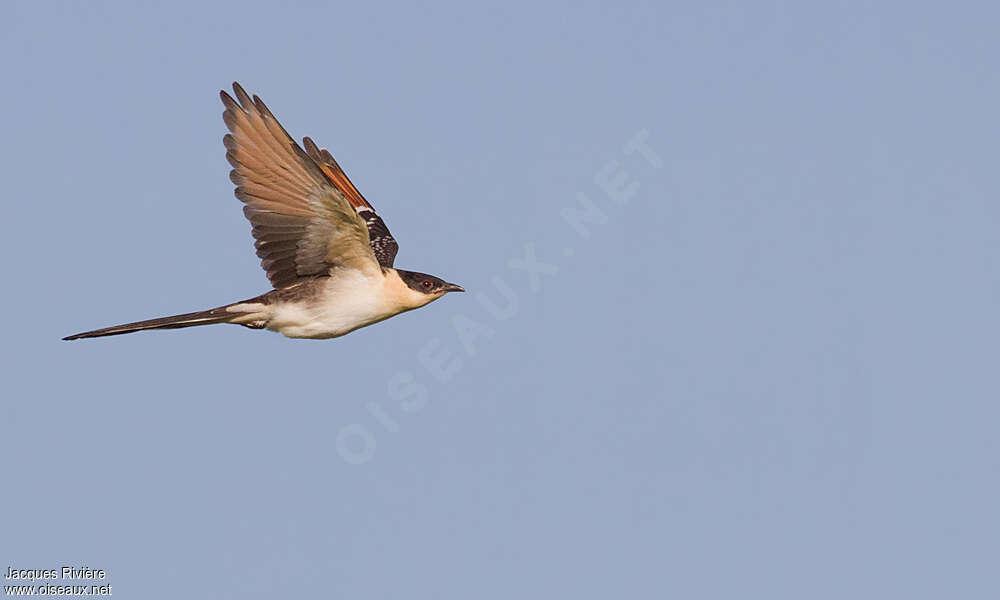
x=327, y=253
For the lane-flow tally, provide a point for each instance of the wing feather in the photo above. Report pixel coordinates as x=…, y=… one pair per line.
x=383, y=244
x=303, y=225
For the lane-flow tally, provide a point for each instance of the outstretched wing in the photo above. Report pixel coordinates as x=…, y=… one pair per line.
x=383, y=244
x=302, y=223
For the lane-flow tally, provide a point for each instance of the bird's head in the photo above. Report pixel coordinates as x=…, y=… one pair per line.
x=426, y=288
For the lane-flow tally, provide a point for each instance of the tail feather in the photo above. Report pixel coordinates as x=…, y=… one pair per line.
x=204, y=317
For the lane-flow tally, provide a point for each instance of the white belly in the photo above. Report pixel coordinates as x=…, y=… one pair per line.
x=348, y=301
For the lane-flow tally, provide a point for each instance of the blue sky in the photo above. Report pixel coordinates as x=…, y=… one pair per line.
x=762, y=365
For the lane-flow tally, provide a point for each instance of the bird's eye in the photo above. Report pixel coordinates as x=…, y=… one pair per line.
x=427, y=285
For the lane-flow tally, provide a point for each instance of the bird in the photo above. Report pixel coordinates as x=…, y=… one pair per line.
x=328, y=255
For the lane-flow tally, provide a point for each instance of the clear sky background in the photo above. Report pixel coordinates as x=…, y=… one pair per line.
x=767, y=370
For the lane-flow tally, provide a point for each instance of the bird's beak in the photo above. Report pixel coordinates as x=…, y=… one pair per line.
x=453, y=287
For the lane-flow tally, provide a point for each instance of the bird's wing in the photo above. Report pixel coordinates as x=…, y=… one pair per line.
x=383, y=244
x=303, y=225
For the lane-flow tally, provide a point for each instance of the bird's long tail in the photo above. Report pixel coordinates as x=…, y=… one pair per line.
x=221, y=314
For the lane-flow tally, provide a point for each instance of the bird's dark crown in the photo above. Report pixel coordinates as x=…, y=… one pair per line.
x=427, y=284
